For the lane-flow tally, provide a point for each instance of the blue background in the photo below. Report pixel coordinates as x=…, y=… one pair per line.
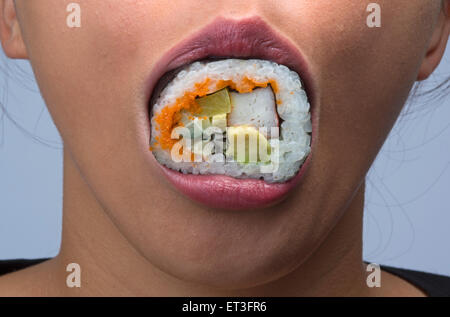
x=407, y=216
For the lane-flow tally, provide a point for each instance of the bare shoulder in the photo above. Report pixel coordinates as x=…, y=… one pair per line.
x=34, y=280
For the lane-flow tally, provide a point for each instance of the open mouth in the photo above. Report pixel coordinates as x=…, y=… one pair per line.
x=230, y=117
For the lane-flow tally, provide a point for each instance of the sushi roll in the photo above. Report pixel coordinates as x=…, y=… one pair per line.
x=241, y=118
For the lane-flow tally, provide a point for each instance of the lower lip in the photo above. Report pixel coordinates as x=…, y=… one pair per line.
x=225, y=192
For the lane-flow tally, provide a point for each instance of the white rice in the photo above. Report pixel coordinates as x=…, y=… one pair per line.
x=295, y=130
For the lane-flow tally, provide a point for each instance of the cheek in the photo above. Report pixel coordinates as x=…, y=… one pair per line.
x=100, y=68
x=363, y=74
x=89, y=76
x=367, y=73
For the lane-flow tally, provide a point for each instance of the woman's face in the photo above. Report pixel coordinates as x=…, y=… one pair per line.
x=95, y=81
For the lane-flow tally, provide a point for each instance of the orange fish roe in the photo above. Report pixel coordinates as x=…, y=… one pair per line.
x=170, y=116
x=246, y=85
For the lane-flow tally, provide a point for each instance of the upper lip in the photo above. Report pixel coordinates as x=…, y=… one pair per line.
x=228, y=38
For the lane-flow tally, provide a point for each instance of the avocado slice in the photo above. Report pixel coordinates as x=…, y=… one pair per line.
x=255, y=145
x=215, y=104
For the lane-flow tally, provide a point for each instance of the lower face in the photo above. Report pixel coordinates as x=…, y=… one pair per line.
x=97, y=80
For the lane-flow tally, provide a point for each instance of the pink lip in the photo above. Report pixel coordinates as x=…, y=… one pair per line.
x=246, y=38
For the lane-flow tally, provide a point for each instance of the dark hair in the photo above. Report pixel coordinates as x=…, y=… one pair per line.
x=16, y=73
x=425, y=93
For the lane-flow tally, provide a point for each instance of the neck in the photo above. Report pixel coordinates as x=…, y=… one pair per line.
x=110, y=265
